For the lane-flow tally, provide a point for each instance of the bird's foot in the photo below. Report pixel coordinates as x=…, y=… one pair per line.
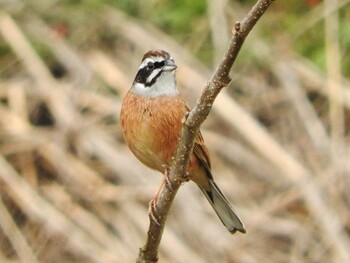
x=166, y=177
x=152, y=210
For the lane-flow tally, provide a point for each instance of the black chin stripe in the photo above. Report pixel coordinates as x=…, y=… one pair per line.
x=149, y=84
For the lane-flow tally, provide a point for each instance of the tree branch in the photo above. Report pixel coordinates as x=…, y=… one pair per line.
x=177, y=173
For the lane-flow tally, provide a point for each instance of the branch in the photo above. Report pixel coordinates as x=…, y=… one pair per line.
x=190, y=129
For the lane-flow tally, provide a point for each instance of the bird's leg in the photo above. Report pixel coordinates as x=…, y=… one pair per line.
x=153, y=204
x=166, y=177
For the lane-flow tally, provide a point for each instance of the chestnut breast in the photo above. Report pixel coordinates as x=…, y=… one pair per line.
x=151, y=127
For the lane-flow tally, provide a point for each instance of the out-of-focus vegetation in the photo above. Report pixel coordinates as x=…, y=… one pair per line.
x=279, y=137
x=187, y=22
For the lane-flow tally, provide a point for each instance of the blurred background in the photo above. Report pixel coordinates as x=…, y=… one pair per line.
x=279, y=138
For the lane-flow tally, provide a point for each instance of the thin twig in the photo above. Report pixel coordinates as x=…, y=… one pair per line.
x=177, y=173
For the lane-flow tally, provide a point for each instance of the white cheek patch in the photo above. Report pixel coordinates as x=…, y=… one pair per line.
x=164, y=86
x=139, y=87
x=154, y=73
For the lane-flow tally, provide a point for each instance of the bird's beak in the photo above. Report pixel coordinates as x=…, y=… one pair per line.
x=169, y=65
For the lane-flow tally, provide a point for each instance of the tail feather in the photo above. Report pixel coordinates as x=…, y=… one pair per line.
x=223, y=209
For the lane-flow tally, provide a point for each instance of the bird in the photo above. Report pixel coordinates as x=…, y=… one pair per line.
x=151, y=117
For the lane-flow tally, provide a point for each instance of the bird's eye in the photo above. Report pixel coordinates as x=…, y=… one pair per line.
x=150, y=65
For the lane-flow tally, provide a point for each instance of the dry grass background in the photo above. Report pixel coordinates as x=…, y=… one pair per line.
x=72, y=192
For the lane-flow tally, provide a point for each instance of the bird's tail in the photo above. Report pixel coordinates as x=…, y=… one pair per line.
x=223, y=208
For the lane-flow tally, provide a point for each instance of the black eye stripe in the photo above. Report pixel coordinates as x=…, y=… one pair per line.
x=159, y=64
x=146, y=71
x=154, y=65
x=150, y=66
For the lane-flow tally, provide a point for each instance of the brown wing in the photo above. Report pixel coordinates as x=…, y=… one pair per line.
x=201, y=151
x=202, y=154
